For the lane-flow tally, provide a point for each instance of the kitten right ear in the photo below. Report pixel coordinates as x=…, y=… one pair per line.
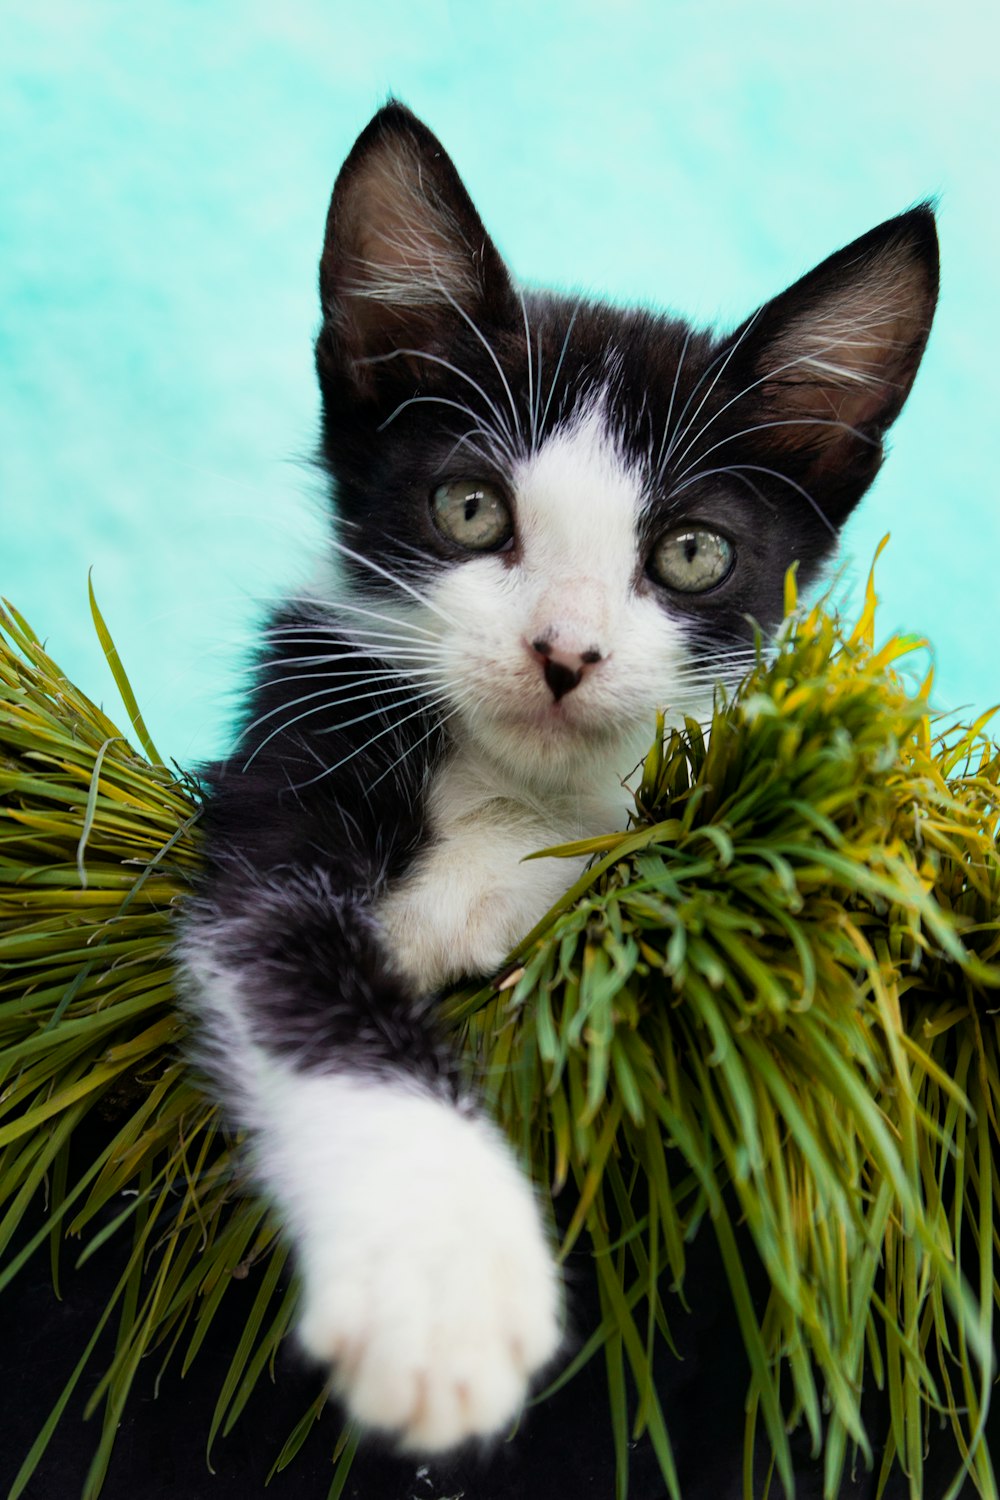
x=406, y=258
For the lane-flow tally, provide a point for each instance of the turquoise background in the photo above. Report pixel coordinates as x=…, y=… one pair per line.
x=165, y=174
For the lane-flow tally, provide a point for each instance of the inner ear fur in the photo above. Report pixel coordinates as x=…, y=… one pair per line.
x=406, y=257
x=833, y=358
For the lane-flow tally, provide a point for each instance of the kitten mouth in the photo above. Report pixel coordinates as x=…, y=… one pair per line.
x=561, y=719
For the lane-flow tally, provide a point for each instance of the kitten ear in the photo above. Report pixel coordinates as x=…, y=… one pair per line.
x=406, y=257
x=833, y=358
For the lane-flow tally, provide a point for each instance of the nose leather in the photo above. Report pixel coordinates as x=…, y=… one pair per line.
x=563, y=670
x=560, y=678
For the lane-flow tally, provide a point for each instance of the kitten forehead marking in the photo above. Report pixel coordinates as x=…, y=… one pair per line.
x=578, y=504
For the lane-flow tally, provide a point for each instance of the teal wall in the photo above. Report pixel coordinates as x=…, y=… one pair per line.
x=164, y=177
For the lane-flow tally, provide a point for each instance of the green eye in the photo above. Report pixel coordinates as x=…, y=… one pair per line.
x=692, y=561
x=472, y=513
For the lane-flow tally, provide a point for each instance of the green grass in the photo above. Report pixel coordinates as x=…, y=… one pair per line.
x=769, y=1005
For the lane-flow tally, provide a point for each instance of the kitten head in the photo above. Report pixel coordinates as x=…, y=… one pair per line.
x=573, y=513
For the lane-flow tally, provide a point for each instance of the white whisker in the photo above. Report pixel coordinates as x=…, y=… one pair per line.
x=531, y=373
x=424, y=401
x=373, y=739
x=332, y=697
x=434, y=729
x=506, y=445
x=373, y=614
x=658, y=466
x=473, y=447
x=492, y=354
x=683, y=431
x=357, y=649
x=359, y=672
x=761, y=380
x=559, y=362
x=334, y=631
x=764, y=426
x=374, y=713
x=735, y=470
x=776, y=474
x=399, y=583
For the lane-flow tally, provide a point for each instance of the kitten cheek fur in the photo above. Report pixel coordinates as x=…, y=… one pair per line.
x=401, y=750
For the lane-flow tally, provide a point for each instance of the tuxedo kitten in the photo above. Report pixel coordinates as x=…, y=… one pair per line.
x=553, y=519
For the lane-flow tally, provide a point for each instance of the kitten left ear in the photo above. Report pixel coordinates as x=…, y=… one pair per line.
x=406, y=258
x=831, y=360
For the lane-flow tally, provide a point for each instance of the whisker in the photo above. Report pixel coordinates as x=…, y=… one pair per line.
x=761, y=380
x=348, y=724
x=433, y=563
x=531, y=373
x=492, y=354
x=400, y=645
x=328, y=609
x=683, y=431
x=764, y=426
x=331, y=696
x=472, y=432
x=706, y=666
x=352, y=637
x=559, y=362
x=373, y=739
x=399, y=583
x=423, y=401
x=776, y=474
x=434, y=729
x=729, y=469
x=503, y=425
x=374, y=614
x=362, y=651
x=707, y=679
x=359, y=672
x=333, y=630
x=658, y=467
x=355, y=635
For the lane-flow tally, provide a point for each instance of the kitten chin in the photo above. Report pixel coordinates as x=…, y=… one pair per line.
x=534, y=756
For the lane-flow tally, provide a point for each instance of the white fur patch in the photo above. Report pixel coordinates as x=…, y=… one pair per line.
x=578, y=508
x=428, y=1285
x=428, y=1282
x=469, y=896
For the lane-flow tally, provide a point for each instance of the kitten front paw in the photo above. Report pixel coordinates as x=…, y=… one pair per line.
x=433, y=1296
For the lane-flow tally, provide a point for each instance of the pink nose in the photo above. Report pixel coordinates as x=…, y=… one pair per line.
x=563, y=670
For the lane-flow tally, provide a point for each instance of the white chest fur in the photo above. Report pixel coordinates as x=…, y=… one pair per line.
x=470, y=895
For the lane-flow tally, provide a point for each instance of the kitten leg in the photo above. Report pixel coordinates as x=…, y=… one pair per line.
x=428, y=1285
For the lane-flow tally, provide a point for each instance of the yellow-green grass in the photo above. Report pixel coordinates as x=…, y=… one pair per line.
x=770, y=1005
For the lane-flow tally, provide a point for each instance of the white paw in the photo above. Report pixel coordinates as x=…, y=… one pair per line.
x=429, y=1286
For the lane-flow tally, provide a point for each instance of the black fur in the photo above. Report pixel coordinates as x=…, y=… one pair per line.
x=297, y=851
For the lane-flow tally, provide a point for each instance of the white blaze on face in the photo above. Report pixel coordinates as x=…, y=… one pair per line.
x=578, y=508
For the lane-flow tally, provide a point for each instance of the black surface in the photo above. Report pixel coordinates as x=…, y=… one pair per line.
x=563, y=1448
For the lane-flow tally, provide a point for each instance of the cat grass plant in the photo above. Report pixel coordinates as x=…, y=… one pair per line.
x=772, y=1006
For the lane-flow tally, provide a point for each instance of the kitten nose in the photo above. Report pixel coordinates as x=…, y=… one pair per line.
x=563, y=670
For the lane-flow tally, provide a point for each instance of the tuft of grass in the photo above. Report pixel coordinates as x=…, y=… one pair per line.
x=771, y=1001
